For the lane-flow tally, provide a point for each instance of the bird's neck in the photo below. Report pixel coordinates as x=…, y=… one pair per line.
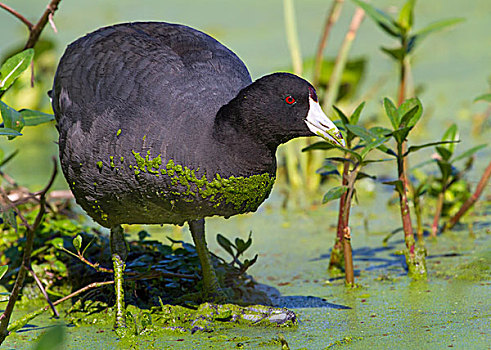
x=239, y=144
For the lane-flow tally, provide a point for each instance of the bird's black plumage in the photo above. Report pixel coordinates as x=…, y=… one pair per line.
x=160, y=123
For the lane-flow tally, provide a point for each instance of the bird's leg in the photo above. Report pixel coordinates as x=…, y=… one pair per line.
x=211, y=286
x=119, y=253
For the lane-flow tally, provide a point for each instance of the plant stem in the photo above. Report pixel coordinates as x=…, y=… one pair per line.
x=415, y=257
x=331, y=19
x=292, y=36
x=438, y=211
x=417, y=212
x=36, y=30
x=337, y=256
x=26, y=258
x=43, y=291
x=17, y=14
x=335, y=78
x=401, y=96
x=472, y=199
x=348, y=257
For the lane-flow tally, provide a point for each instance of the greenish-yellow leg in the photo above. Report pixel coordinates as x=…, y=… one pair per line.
x=119, y=253
x=212, y=290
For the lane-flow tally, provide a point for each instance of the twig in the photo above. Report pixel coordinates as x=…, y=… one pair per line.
x=24, y=320
x=46, y=296
x=26, y=258
x=472, y=199
x=17, y=14
x=331, y=19
x=36, y=30
x=335, y=78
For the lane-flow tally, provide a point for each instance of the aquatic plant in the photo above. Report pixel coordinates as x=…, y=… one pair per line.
x=449, y=174
x=13, y=123
x=359, y=143
x=333, y=79
x=402, y=29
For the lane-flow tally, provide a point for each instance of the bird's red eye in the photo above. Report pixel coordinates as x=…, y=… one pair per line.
x=290, y=100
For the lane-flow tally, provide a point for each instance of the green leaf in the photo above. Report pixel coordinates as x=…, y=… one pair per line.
x=362, y=175
x=469, y=152
x=418, y=147
x=361, y=132
x=14, y=67
x=451, y=134
x=434, y=27
x=406, y=107
x=379, y=131
x=3, y=270
x=334, y=193
x=445, y=169
x=368, y=161
x=77, y=242
x=407, y=118
x=355, y=116
x=373, y=144
x=9, y=132
x=340, y=159
x=56, y=242
x=382, y=19
x=406, y=15
x=391, y=112
x=327, y=167
x=319, y=145
x=485, y=97
x=241, y=245
x=225, y=244
x=11, y=118
x=33, y=118
x=341, y=115
x=248, y=263
x=397, y=54
x=387, y=150
x=52, y=339
x=443, y=152
x=397, y=185
x=401, y=134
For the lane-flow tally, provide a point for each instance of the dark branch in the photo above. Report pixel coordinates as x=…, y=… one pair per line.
x=17, y=14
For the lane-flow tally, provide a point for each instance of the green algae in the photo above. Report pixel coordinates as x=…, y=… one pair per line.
x=118, y=132
x=243, y=193
x=99, y=165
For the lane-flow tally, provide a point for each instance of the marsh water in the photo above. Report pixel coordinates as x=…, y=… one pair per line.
x=293, y=234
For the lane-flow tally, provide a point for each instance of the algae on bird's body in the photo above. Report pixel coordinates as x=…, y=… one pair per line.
x=243, y=193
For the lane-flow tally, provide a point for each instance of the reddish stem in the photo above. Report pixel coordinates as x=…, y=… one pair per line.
x=472, y=199
x=436, y=219
x=348, y=257
x=331, y=18
x=17, y=14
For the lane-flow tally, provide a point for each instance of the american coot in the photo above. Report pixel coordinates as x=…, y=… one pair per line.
x=159, y=123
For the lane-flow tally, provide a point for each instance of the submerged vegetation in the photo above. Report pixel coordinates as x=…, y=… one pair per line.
x=47, y=254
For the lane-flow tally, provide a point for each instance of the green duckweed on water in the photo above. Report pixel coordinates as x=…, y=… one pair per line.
x=387, y=310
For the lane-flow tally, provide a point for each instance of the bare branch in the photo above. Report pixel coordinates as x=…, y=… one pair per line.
x=17, y=14
x=39, y=26
x=43, y=290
